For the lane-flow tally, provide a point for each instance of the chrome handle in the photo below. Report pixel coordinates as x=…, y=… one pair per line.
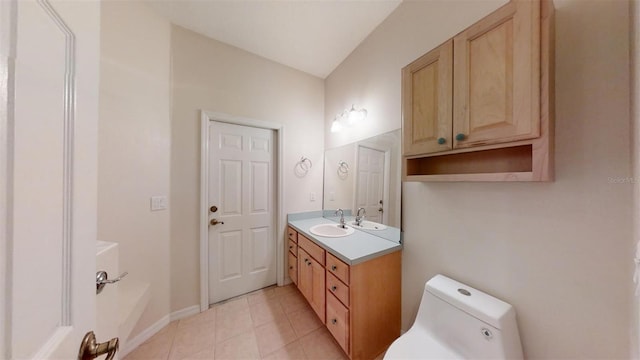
x=216, y=222
x=90, y=349
x=102, y=279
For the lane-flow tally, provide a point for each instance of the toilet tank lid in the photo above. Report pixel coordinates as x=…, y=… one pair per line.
x=480, y=305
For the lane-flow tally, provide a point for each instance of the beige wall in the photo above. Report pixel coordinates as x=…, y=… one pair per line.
x=560, y=252
x=134, y=146
x=210, y=75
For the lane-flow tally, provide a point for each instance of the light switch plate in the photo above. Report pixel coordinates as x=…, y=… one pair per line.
x=159, y=203
x=312, y=196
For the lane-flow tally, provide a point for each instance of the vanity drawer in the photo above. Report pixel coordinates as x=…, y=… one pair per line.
x=292, y=234
x=338, y=321
x=312, y=249
x=293, y=268
x=293, y=247
x=337, y=288
x=338, y=268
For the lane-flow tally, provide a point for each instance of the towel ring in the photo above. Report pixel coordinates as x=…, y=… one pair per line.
x=343, y=167
x=302, y=167
x=305, y=164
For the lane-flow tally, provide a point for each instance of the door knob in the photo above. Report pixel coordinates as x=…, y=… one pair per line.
x=216, y=222
x=90, y=349
x=213, y=208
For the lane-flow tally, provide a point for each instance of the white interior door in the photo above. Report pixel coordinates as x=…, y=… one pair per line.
x=242, y=247
x=50, y=176
x=370, y=182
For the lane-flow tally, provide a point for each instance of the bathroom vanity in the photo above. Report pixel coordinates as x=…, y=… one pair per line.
x=353, y=284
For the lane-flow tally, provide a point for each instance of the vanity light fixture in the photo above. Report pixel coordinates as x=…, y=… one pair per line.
x=348, y=118
x=356, y=115
x=336, y=125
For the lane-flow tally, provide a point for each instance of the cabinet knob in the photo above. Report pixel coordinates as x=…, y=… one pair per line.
x=290, y=246
x=460, y=137
x=334, y=288
x=308, y=263
x=442, y=141
x=291, y=267
x=334, y=268
x=334, y=321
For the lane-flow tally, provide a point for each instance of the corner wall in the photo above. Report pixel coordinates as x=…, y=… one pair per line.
x=213, y=76
x=134, y=146
x=560, y=252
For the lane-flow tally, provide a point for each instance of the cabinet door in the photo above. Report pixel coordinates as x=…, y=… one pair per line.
x=496, y=77
x=311, y=282
x=318, y=289
x=304, y=274
x=293, y=268
x=427, y=102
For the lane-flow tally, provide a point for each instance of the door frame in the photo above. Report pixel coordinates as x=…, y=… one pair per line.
x=7, y=56
x=205, y=118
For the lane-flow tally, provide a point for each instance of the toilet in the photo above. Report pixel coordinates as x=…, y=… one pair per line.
x=456, y=321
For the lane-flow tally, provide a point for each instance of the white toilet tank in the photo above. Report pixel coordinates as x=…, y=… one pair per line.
x=457, y=321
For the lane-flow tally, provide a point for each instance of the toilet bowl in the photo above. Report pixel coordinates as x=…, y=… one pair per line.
x=456, y=321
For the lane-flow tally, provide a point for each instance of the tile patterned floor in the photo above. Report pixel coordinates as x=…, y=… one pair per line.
x=272, y=323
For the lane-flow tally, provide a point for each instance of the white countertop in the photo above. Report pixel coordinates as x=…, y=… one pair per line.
x=352, y=249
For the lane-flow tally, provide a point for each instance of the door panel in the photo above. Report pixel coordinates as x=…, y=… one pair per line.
x=52, y=215
x=242, y=186
x=497, y=77
x=260, y=250
x=259, y=187
x=370, y=183
x=230, y=244
x=427, y=86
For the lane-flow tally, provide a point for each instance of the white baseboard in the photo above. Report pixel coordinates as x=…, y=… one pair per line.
x=186, y=312
x=147, y=333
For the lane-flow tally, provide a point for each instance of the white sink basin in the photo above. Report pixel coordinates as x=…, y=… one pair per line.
x=331, y=230
x=368, y=225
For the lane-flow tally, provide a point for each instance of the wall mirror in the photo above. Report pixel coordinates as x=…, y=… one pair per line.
x=366, y=174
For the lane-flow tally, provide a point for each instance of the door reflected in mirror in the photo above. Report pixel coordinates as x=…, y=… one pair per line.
x=367, y=175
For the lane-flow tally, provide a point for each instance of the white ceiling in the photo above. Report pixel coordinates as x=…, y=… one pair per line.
x=313, y=36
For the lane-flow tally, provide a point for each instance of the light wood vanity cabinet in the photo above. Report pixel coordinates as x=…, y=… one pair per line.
x=479, y=107
x=359, y=304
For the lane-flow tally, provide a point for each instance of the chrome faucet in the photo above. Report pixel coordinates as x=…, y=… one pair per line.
x=359, y=217
x=342, y=225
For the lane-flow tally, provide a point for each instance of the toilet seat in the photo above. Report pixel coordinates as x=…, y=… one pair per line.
x=417, y=343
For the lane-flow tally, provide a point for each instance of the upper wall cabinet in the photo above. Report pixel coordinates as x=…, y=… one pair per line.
x=428, y=105
x=479, y=107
